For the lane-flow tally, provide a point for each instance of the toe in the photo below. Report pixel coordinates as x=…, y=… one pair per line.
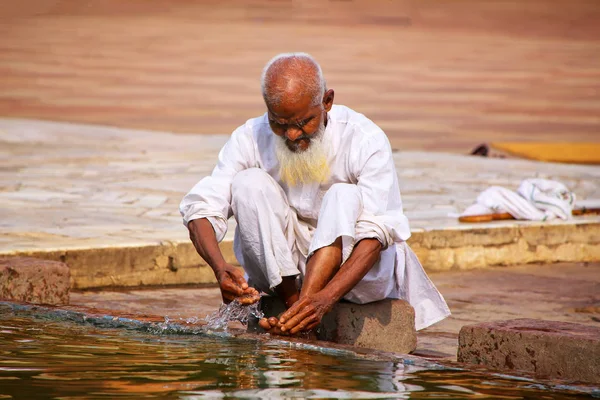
x=264, y=323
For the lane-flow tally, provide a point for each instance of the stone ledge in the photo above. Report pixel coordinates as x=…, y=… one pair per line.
x=34, y=281
x=386, y=325
x=467, y=247
x=165, y=263
x=548, y=349
x=480, y=247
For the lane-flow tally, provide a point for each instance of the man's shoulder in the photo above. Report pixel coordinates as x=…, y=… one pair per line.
x=253, y=125
x=355, y=124
x=254, y=131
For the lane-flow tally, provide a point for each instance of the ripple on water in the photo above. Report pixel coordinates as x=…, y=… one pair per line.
x=62, y=359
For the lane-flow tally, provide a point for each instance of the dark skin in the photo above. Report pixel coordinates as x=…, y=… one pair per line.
x=231, y=279
x=297, y=120
x=325, y=284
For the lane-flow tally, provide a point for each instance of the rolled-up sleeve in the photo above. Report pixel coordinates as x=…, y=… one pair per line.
x=382, y=216
x=211, y=197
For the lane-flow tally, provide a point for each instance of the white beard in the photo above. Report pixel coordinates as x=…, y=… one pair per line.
x=303, y=167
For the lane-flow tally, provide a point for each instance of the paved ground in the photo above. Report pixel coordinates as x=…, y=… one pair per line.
x=70, y=186
x=435, y=78
x=434, y=74
x=559, y=292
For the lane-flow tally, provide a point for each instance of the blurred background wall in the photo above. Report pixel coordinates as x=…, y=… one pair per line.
x=434, y=74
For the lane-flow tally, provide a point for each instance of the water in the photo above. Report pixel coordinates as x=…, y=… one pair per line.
x=233, y=311
x=58, y=355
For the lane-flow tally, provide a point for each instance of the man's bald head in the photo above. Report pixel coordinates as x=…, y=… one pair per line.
x=292, y=77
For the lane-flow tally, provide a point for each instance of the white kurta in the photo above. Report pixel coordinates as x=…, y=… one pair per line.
x=359, y=154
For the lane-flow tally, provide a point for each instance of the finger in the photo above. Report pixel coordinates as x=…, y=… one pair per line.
x=273, y=321
x=276, y=331
x=252, y=296
x=269, y=328
x=228, y=286
x=238, y=278
x=251, y=291
x=264, y=323
x=302, y=325
x=245, y=301
x=248, y=299
x=293, y=310
x=312, y=326
x=295, y=320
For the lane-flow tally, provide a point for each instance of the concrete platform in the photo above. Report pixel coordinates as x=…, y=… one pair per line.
x=435, y=75
x=105, y=201
x=548, y=349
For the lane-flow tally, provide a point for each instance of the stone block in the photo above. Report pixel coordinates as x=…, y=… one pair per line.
x=166, y=263
x=33, y=280
x=386, y=325
x=548, y=349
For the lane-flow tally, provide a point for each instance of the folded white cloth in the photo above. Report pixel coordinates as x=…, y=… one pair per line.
x=535, y=199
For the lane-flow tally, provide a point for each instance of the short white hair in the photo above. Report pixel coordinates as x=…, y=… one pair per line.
x=313, y=84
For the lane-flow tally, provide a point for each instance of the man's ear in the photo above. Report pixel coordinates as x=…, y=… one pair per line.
x=328, y=99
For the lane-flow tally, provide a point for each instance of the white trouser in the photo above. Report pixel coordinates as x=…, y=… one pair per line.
x=271, y=242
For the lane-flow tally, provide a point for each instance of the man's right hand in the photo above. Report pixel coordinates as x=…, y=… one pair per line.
x=234, y=286
x=231, y=279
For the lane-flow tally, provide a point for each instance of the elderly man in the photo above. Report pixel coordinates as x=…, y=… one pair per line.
x=314, y=191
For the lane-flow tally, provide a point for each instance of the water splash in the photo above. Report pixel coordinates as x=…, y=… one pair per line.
x=233, y=311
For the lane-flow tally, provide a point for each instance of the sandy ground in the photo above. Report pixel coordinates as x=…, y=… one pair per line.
x=557, y=292
x=434, y=75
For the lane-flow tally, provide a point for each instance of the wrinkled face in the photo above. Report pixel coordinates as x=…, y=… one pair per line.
x=297, y=127
x=297, y=122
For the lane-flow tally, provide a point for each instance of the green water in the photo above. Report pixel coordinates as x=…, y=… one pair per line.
x=50, y=358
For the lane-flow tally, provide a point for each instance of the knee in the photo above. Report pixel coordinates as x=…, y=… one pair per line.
x=249, y=183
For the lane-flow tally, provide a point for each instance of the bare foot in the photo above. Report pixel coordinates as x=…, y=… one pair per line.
x=288, y=291
x=270, y=325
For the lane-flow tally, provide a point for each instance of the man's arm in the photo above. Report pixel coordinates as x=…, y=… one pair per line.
x=231, y=279
x=307, y=312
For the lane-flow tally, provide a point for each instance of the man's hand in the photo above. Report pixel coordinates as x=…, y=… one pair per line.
x=234, y=286
x=306, y=313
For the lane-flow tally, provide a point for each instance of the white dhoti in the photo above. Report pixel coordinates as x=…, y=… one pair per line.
x=271, y=242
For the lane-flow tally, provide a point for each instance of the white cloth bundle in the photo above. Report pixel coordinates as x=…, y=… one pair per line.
x=535, y=199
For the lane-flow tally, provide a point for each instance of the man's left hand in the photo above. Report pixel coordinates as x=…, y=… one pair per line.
x=306, y=313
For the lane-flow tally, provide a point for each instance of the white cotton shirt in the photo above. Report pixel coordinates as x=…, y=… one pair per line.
x=358, y=152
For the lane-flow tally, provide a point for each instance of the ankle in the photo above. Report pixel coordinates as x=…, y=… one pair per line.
x=291, y=300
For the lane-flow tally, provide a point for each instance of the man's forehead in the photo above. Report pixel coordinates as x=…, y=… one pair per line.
x=294, y=111
x=293, y=116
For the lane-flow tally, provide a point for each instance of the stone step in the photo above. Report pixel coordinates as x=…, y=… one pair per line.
x=386, y=325
x=548, y=349
x=471, y=247
x=33, y=280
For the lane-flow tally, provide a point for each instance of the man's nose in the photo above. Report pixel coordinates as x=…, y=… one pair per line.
x=292, y=133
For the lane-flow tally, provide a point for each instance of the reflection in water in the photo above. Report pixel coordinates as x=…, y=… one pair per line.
x=46, y=358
